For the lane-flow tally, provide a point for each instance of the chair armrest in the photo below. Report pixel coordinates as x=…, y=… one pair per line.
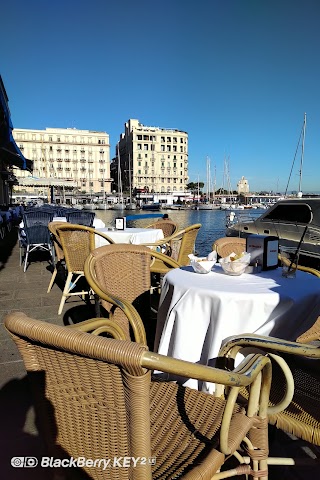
x=100, y=325
x=103, y=235
x=166, y=240
x=168, y=261
x=232, y=345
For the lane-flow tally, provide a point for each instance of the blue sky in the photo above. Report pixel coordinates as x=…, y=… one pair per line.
x=237, y=75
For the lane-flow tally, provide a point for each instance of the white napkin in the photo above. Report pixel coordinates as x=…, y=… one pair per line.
x=244, y=257
x=203, y=264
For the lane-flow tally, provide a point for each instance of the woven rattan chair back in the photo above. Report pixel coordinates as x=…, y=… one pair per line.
x=184, y=244
x=302, y=416
x=167, y=226
x=226, y=245
x=80, y=218
x=59, y=255
x=123, y=270
x=77, y=242
x=95, y=399
x=52, y=226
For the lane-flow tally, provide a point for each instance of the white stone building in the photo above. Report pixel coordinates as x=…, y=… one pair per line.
x=80, y=157
x=243, y=186
x=156, y=158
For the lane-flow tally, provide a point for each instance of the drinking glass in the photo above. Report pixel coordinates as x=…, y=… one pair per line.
x=289, y=260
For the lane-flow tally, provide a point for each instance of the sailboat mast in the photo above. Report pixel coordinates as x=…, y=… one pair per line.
x=119, y=178
x=302, y=152
x=130, y=187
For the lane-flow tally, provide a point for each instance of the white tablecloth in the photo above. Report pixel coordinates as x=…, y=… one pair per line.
x=97, y=223
x=197, y=311
x=130, y=235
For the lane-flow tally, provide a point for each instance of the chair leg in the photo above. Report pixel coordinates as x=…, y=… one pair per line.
x=65, y=292
x=53, y=277
x=26, y=259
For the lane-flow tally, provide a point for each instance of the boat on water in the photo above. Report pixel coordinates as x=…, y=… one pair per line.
x=89, y=206
x=209, y=206
x=151, y=206
x=295, y=221
x=120, y=204
x=103, y=206
x=131, y=206
x=117, y=206
x=210, y=203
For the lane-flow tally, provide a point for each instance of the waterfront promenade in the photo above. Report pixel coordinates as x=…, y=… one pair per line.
x=27, y=292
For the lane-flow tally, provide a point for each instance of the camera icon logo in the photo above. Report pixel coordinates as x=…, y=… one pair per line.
x=21, y=462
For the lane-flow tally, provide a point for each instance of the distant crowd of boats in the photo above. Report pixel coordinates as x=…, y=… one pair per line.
x=165, y=206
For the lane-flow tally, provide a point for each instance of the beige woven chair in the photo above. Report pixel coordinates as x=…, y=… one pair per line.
x=178, y=246
x=77, y=241
x=119, y=308
x=302, y=416
x=311, y=270
x=95, y=399
x=167, y=226
x=59, y=255
x=125, y=271
x=226, y=245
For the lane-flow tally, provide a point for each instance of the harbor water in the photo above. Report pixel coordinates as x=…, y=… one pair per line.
x=213, y=223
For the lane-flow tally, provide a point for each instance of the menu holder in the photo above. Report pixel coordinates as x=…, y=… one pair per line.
x=120, y=223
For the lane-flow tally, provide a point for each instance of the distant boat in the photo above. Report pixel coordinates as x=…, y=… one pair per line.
x=208, y=205
x=118, y=206
x=151, y=206
x=131, y=206
x=89, y=206
x=103, y=206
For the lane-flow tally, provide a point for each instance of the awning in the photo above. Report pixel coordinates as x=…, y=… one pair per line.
x=9, y=150
x=11, y=154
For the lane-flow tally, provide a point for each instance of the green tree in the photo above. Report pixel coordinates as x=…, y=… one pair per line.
x=194, y=187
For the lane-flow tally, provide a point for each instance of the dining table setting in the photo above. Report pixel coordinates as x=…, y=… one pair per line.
x=198, y=311
x=133, y=236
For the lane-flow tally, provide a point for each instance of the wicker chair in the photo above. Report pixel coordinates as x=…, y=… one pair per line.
x=35, y=238
x=37, y=217
x=178, y=246
x=125, y=271
x=311, y=270
x=302, y=416
x=95, y=398
x=59, y=260
x=226, y=245
x=77, y=241
x=167, y=226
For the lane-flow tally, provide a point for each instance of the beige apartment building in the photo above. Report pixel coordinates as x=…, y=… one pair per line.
x=155, y=158
x=70, y=157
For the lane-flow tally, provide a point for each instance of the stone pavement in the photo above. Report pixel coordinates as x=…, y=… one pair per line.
x=27, y=292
